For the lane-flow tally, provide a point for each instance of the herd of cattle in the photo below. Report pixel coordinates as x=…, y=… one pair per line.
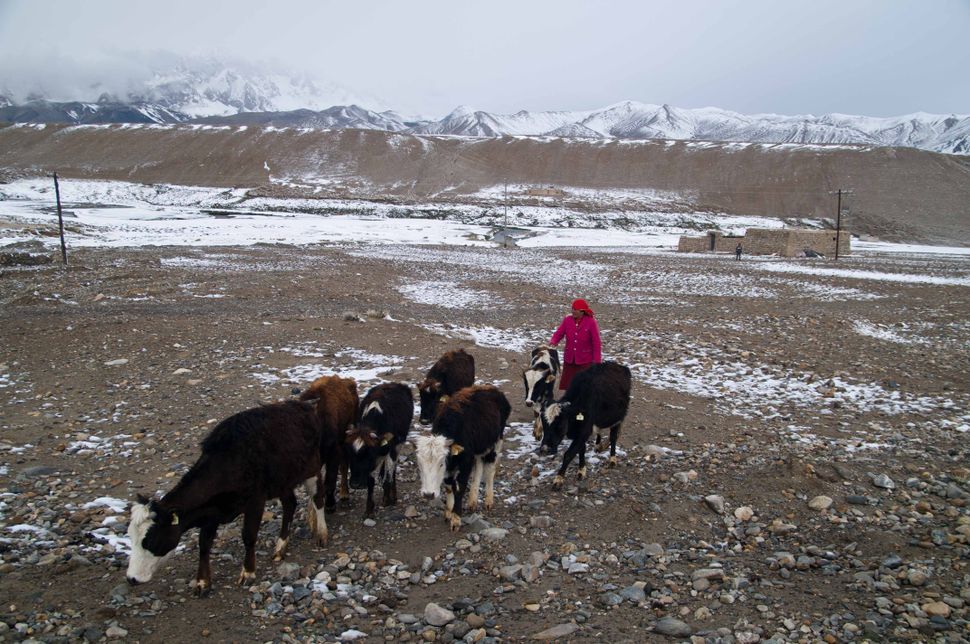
x=267, y=452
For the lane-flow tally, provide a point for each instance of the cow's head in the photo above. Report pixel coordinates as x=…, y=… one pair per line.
x=537, y=381
x=555, y=419
x=154, y=533
x=431, y=392
x=365, y=449
x=432, y=453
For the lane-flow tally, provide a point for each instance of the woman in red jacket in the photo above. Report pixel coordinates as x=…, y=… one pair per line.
x=582, y=341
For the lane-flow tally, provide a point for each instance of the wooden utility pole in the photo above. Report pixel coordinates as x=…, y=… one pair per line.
x=838, y=220
x=60, y=219
x=506, y=203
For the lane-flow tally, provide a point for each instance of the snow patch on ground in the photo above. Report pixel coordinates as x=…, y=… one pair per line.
x=883, y=332
x=515, y=340
x=362, y=366
x=449, y=295
x=748, y=389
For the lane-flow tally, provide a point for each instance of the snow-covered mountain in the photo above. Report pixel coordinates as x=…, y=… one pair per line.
x=195, y=86
x=631, y=120
x=216, y=91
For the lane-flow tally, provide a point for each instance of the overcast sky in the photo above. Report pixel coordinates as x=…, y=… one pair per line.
x=872, y=57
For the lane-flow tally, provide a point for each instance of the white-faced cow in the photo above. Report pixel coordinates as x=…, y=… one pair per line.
x=372, y=447
x=337, y=401
x=247, y=459
x=540, y=381
x=454, y=370
x=597, y=399
x=465, y=440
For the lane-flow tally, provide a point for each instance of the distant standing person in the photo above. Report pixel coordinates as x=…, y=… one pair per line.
x=583, y=347
x=737, y=252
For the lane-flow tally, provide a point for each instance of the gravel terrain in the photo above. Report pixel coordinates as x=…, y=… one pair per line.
x=795, y=464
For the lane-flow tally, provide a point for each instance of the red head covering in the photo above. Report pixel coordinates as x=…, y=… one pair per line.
x=581, y=305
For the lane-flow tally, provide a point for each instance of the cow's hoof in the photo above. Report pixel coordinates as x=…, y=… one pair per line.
x=558, y=481
x=202, y=587
x=280, y=551
x=537, y=434
x=613, y=461
x=602, y=447
x=582, y=473
x=448, y=515
x=471, y=506
x=489, y=504
x=323, y=539
x=246, y=578
x=455, y=522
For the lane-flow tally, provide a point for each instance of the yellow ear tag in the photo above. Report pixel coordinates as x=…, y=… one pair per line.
x=387, y=439
x=580, y=416
x=456, y=449
x=175, y=519
x=443, y=399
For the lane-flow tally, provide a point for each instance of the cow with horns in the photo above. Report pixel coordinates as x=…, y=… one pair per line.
x=540, y=381
x=337, y=401
x=597, y=399
x=465, y=442
x=372, y=447
x=454, y=370
x=247, y=459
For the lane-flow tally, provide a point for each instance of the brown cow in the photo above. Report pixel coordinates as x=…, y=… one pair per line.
x=337, y=403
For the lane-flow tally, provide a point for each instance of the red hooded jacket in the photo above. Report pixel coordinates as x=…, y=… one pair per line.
x=582, y=340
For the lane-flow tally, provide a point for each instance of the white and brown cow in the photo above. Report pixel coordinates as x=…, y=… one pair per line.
x=453, y=371
x=597, y=399
x=465, y=442
x=247, y=459
x=540, y=382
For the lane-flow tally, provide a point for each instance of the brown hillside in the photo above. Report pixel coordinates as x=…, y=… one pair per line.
x=899, y=193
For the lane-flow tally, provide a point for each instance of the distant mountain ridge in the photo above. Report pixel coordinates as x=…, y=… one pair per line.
x=211, y=92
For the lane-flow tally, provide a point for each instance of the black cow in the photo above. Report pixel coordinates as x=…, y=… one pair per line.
x=466, y=439
x=454, y=370
x=372, y=447
x=540, y=382
x=597, y=399
x=247, y=459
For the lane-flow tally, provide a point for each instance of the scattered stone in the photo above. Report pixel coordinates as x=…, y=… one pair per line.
x=940, y=609
x=492, y=535
x=715, y=502
x=820, y=503
x=882, y=481
x=672, y=627
x=556, y=632
x=743, y=513
x=437, y=615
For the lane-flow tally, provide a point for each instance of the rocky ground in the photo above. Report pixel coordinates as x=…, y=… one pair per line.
x=795, y=463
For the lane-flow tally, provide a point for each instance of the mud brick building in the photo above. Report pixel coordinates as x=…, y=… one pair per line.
x=787, y=242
